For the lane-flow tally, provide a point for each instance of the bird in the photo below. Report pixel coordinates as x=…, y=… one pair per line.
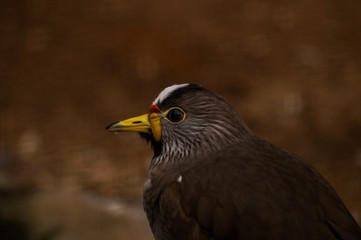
x=211, y=177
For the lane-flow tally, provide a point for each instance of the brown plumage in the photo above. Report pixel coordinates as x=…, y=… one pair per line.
x=212, y=178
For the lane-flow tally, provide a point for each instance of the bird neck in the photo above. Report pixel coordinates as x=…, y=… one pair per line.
x=169, y=153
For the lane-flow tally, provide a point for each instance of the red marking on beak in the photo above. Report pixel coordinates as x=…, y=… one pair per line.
x=154, y=109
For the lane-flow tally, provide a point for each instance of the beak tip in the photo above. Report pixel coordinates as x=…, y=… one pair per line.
x=109, y=127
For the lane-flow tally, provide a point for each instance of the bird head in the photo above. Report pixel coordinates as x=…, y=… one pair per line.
x=187, y=119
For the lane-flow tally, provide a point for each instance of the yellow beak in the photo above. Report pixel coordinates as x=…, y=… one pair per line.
x=147, y=123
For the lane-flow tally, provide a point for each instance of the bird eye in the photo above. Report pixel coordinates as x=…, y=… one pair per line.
x=175, y=115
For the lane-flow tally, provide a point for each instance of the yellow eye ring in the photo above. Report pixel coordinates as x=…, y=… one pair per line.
x=174, y=115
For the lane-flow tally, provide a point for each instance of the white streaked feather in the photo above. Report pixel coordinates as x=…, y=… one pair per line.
x=179, y=179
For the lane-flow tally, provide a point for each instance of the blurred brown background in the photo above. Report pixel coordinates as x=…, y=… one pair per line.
x=69, y=68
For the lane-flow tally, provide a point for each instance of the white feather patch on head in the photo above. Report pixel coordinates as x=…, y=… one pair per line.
x=168, y=91
x=179, y=179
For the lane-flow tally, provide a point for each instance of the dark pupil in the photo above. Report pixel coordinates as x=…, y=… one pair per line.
x=175, y=115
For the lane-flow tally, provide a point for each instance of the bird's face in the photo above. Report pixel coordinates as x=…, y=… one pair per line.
x=185, y=119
